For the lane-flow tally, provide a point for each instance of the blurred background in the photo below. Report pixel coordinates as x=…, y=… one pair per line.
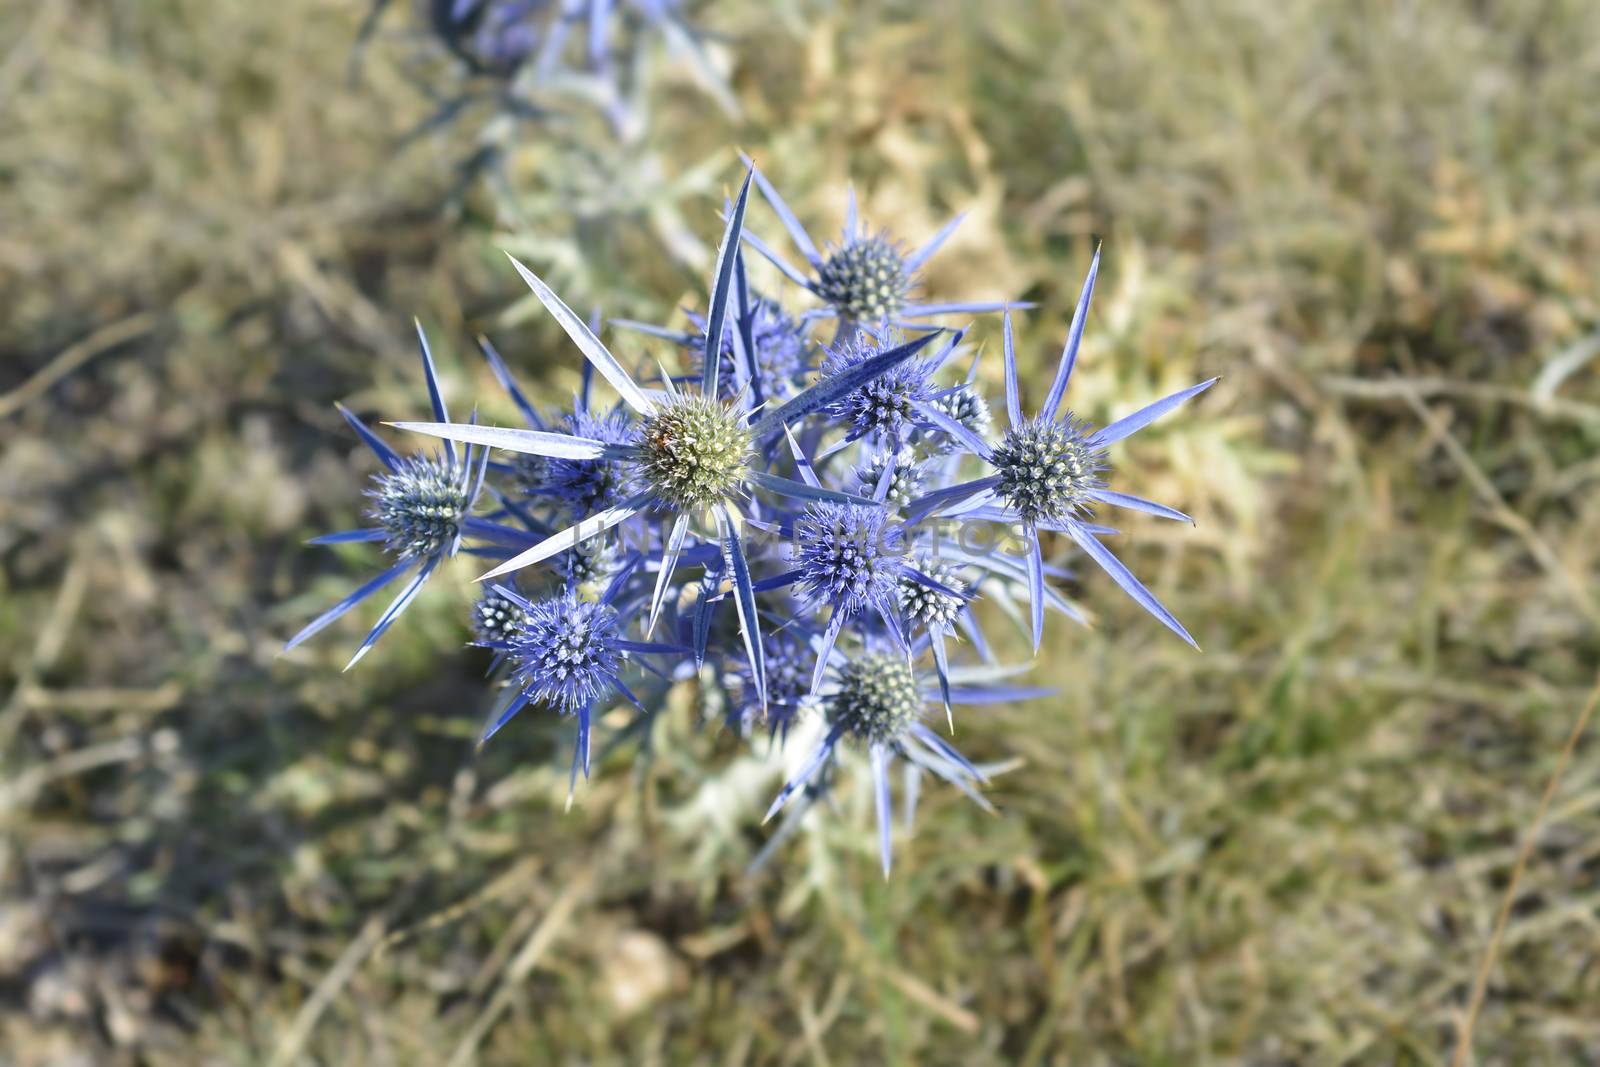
x=1378, y=222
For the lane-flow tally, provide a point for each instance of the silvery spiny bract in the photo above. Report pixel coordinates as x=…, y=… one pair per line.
x=809, y=542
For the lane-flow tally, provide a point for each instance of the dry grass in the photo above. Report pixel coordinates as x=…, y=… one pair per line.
x=1286, y=851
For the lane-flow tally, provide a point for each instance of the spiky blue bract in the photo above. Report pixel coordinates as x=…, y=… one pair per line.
x=886, y=405
x=848, y=556
x=566, y=652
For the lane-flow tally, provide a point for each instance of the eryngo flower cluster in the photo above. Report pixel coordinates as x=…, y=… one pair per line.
x=766, y=520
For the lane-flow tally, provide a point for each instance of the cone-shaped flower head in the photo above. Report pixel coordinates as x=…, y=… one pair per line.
x=905, y=483
x=694, y=452
x=496, y=618
x=1048, y=469
x=847, y=557
x=932, y=608
x=889, y=403
x=865, y=279
x=421, y=505
x=877, y=699
x=566, y=652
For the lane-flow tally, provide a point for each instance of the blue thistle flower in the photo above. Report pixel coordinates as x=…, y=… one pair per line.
x=569, y=653
x=590, y=565
x=566, y=652
x=865, y=279
x=930, y=606
x=847, y=558
x=1047, y=473
x=886, y=405
x=789, y=658
x=877, y=702
x=965, y=405
x=422, y=508
x=695, y=454
x=851, y=558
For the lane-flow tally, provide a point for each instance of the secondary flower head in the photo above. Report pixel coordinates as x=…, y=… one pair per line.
x=888, y=404
x=878, y=702
x=1047, y=473
x=865, y=279
x=788, y=660
x=968, y=408
x=931, y=607
x=590, y=564
x=905, y=483
x=421, y=506
x=780, y=350
x=846, y=557
x=566, y=652
x=1048, y=469
x=587, y=485
x=877, y=699
x=496, y=617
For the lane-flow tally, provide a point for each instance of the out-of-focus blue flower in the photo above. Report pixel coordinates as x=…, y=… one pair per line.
x=789, y=658
x=422, y=507
x=779, y=344
x=1047, y=473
